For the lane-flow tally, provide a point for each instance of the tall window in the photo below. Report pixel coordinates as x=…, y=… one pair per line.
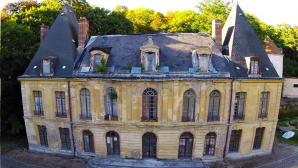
x=111, y=104
x=47, y=66
x=38, y=103
x=65, y=138
x=60, y=104
x=235, y=141
x=264, y=104
x=214, y=105
x=85, y=104
x=185, y=145
x=88, y=141
x=42, y=130
x=258, y=138
x=149, y=105
x=254, y=65
x=239, y=106
x=150, y=63
x=210, y=141
x=189, y=100
x=95, y=61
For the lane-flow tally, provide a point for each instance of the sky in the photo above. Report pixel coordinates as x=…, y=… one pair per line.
x=272, y=12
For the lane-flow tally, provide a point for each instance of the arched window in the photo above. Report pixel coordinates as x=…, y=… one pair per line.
x=214, y=105
x=111, y=104
x=88, y=141
x=189, y=101
x=85, y=104
x=113, y=143
x=149, y=141
x=149, y=105
x=210, y=141
x=185, y=145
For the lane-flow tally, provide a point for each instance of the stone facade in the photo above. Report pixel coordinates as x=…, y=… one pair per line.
x=169, y=126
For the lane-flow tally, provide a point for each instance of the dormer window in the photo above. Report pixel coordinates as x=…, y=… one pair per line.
x=254, y=66
x=97, y=59
x=150, y=56
x=47, y=66
x=201, y=59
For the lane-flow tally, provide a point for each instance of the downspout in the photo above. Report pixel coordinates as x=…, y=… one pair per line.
x=229, y=119
x=70, y=118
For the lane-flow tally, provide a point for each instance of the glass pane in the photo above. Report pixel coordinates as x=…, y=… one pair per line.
x=46, y=65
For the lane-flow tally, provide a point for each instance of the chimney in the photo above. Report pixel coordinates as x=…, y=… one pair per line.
x=216, y=33
x=43, y=31
x=83, y=31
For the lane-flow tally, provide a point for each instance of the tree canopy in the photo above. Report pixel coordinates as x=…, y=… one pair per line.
x=21, y=25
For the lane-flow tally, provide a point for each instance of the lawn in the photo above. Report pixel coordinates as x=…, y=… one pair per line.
x=284, y=122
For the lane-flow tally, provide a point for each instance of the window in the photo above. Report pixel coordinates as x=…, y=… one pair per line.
x=295, y=85
x=258, y=138
x=85, y=104
x=214, y=105
x=150, y=63
x=185, y=145
x=88, y=141
x=264, y=105
x=210, y=141
x=42, y=130
x=47, y=66
x=95, y=61
x=254, y=65
x=111, y=104
x=235, y=140
x=189, y=100
x=60, y=104
x=149, y=105
x=239, y=106
x=38, y=103
x=65, y=139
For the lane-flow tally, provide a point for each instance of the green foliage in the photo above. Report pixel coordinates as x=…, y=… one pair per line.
x=103, y=67
x=182, y=21
x=141, y=19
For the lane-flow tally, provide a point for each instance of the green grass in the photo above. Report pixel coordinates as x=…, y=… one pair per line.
x=291, y=141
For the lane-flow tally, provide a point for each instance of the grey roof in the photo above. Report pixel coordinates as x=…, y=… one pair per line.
x=243, y=42
x=60, y=42
x=175, y=50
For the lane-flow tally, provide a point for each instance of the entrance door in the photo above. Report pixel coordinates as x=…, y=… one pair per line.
x=185, y=145
x=149, y=145
x=113, y=143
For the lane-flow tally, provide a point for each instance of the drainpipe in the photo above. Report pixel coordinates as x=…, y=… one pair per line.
x=229, y=119
x=70, y=118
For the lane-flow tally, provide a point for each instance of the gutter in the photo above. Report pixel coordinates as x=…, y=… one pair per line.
x=70, y=118
x=229, y=119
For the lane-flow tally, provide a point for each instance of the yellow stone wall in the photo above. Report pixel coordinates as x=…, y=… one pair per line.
x=169, y=126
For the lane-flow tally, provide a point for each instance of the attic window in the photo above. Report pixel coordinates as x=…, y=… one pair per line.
x=149, y=55
x=150, y=62
x=97, y=57
x=254, y=66
x=47, y=66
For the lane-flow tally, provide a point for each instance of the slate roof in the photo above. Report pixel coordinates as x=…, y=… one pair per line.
x=243, y=42
x=60, y=42
x=175, y=51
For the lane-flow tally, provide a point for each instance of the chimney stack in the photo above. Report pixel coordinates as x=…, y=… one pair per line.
x=43, y=31
x=216, y=33
x=83, y=32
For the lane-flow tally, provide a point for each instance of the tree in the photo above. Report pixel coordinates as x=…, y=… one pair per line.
x=182, y=21
x=210, y=10
x=141, y=19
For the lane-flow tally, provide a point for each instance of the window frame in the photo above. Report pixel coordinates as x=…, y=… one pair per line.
x=259, y=135
x=51, y=59
x=65, y=138
x=60, y=104
x=38, y=105
x=43, y=136
x=188, y=115
x=185, y=149
x=213, y=108
x=111, y=110
x=254, y=66
x=239, y=101
x=235, y=140
x=210, y=144
x=150, y=105
x=85, y=101
x=264, y=104
x=88, y=146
